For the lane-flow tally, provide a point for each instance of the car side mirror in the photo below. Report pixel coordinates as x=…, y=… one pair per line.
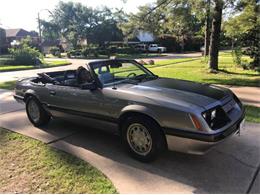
x=89, y=86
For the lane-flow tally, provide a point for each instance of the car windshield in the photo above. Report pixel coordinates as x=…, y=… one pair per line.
x=119, y=71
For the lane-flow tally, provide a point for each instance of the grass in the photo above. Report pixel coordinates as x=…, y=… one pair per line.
x=252, y=114
x=139, y=56
x=47, y=64
x=30, y=166
x=196, y=70
x=8, y=85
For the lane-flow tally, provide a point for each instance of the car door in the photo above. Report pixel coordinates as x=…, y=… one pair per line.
x=89, y=106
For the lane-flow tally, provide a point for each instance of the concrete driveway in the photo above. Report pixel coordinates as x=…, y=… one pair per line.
x=232, y=167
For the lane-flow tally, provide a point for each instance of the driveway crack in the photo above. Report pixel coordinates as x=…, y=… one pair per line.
x=62, y=138
x=237, y=159
x=12, y=111
x=253, y=180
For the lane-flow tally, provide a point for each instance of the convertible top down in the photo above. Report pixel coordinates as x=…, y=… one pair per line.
x=150, y=113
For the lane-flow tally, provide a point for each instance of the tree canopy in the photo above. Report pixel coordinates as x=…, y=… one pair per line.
x=244, y=28
x=74, y=22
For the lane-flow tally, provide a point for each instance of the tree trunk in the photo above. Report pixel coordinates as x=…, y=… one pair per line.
x=207, y=30
x=215, y=34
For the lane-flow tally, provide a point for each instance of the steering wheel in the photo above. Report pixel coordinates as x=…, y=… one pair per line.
x=131, y=74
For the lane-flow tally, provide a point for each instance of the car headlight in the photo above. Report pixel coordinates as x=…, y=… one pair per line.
x=216, y=117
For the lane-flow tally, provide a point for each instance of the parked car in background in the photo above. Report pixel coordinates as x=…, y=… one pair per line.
x=141, y=47
x=156, y=48
x=148, y=112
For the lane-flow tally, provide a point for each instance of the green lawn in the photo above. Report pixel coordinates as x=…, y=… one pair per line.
x=47, y=64
x=252, y=114
x=139, y=56
x=8, y=85
x=30, y=166
x=196, y=70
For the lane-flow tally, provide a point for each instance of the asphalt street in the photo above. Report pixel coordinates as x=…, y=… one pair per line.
x=14, y=75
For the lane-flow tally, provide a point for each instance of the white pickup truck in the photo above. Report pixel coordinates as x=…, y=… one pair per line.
x=156, y=48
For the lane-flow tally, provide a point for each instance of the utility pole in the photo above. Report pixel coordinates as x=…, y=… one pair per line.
x=39, y=26
x=40, y=31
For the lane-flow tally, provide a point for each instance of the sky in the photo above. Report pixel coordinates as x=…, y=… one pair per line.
x=23, y=13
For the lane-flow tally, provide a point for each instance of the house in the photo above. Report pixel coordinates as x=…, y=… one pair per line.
x=18, y=34
x=48, y=44
x=145, y=37
x=3, y=45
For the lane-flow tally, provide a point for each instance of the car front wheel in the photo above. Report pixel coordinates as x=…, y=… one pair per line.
x=36, y=113
x=142, y=138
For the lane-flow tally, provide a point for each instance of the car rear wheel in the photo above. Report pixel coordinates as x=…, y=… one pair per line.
x=142, y=138
x=36, y=113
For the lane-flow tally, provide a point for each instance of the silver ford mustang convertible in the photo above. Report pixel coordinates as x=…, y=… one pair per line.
x=148, y=112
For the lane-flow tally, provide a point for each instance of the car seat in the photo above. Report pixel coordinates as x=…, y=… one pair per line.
x=70, y=78
x=105, y=76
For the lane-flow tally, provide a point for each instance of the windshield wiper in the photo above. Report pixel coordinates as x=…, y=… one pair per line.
x=130, y=81
x=146, y=77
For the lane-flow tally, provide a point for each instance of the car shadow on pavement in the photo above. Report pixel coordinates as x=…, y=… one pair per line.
x=215, y=172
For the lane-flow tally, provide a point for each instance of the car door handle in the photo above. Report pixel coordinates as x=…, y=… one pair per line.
x=52, y=92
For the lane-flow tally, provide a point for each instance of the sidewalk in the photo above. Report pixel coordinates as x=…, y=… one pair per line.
x=248, y=95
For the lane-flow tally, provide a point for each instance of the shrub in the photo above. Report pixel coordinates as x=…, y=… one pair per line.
x=74, y=52
x=90, y=51
x=193, y=43
x=170, y=43
x=142, y=62
x=125, y=50
x=151, y=62
x=25, y=55
x=7, y=61
x=237, y=55
x=55, y=51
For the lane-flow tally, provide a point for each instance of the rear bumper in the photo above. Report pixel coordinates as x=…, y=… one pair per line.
x=198, y=143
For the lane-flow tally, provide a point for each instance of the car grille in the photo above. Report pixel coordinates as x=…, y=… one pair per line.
x=229, y=105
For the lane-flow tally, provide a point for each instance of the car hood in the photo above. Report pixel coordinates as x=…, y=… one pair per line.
x=179, y=92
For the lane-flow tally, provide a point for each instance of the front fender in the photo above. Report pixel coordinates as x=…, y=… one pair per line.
x=140, y=109
x=30, y=92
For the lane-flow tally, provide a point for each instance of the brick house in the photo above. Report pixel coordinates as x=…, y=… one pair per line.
x=18, y=34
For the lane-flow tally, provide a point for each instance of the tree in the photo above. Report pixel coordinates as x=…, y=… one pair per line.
x=215, y=34
x=207, y=29
x=50, y=30
x=174, y=18
x=75, y=22
x=107, y=28
x=2, y=39
x=244, y=29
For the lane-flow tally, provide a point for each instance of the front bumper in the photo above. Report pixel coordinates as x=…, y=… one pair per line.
x=19, y=98
x=199, y=143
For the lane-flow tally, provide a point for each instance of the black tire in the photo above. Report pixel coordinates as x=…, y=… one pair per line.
x=158, y=140
x=43, y=118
